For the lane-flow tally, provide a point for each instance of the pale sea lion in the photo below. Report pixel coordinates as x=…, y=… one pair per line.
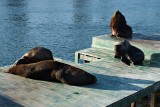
x=119, y=27
x=35, y=55
x=50, y=70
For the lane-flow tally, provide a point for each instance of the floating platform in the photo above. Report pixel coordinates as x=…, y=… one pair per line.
x=118, y=85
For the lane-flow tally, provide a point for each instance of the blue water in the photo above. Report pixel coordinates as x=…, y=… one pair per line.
x=65, y=26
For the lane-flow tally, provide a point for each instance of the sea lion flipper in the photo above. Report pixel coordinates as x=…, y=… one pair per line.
x=125, y=60
x=117, y=56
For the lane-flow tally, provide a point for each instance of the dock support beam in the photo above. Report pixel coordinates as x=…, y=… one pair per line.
x=133, y=104
x=77, y=56
x=153, y=95
x=154, y=99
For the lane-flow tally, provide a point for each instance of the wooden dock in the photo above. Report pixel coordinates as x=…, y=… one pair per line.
x=118, y=85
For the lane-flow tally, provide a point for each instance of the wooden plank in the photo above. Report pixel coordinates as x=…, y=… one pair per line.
x=115, y=87
x=152, y=100
x=133, y=104
x=118, y=85
x=93, y=54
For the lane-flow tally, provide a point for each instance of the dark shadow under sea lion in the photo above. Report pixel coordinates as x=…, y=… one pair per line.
x=50, y=70
x=35, y=55
x=119, y=27
x=128, y=53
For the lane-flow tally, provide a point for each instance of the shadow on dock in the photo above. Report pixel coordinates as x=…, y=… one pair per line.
x=6, y=102
x=154, y=61
x=106, y=82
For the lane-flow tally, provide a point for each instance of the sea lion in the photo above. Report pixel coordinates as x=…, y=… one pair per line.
x=119, y=27
x=35, y=55
x=128, y=53
x=50, y=70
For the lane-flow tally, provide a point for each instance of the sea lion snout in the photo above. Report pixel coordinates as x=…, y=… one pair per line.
x=117, y=13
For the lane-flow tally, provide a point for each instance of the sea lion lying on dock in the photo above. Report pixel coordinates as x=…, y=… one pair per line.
x=50, y=70
x=119, y=27
x=124, y=50
x=35, y=55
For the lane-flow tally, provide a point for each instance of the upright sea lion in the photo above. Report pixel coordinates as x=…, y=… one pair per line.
x=119, y=27
x=50, y=70
x=35, y=55
x=128, y=53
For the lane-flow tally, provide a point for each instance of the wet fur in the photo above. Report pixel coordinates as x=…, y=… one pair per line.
x=119, y=27
x=50, y=70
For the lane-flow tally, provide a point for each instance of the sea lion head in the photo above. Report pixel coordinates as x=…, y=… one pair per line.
x=117, y=22
x=35, y=55
x=121, y=49
x=119, y=27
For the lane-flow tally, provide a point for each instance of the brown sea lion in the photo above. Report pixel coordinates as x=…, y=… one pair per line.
x=119, y=27
x=35, y=55
x=50, y=70
x=128, y=53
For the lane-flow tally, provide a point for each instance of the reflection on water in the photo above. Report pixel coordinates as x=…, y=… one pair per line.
x=65, y=26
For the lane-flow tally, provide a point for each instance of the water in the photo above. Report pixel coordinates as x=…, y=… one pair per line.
x=65, y=26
